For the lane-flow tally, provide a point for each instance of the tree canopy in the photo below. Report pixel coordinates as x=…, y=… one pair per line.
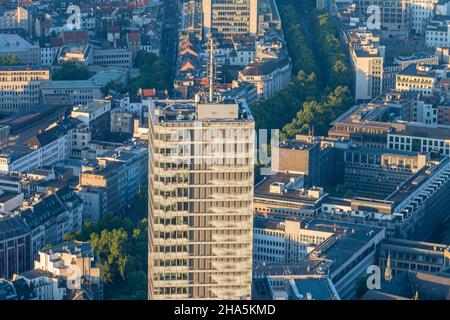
x=71, y=71
x=120, y=246
x=9, y=60
x=155, y=73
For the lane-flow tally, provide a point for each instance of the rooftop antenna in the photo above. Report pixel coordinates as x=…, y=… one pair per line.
x=211, y=67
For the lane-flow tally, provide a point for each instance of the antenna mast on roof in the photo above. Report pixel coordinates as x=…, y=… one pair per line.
x=211, y=67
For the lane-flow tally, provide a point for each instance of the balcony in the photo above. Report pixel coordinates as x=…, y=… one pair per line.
x=222, y=224
x=170, y=227
x=231, y=211
x=222, y=238
x=226, y=266
x=224, y=182
x=228, y=252
x=232, y=197
x=232, y=293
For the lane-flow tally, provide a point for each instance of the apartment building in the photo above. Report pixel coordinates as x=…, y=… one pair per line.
x=200, y=200
x=20, y=87
x=230, y=18
x=114, y=57
x=45, y=148
x=269, y=76
x=96, y=115
x=377, y=171
x=52, y=217
x=66, y=262
x=112, y=179
x=15, y=247
x=437, y=33
x=421, y=13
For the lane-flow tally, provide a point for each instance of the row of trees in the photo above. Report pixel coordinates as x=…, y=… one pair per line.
x=320, y=88
x=328, y=49
x=283, y=106
x=120, y=245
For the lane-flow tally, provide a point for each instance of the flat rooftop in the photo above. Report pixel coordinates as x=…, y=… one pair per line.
x=416, y=181
x=189, y=111
x=262, y=189
x=93, y=106
x=297, y=145
x=350, y=238
x=415, y=245
x=293, y=287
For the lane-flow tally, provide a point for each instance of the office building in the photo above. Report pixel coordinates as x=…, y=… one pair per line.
x=200, y=200
x=15, y=45
x=230, y=18
x=20, y=87
x=421, y=13
x=69, y=261
x=285, y=241
x=395, y=16
x=110, y=184
x=437, y=32
x=15, y=246
x=15, y=19
x=416, y=256
x=269, y=76
x=420, y=78
x=367, y=57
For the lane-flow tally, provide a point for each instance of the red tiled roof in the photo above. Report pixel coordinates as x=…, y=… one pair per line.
x=56, y=41
x=24, y=3
x=134, y=37
x=149, y=92
x=70, y=36
x=203, y=81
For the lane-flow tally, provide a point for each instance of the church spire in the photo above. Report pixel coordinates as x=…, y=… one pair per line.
x=388, y=270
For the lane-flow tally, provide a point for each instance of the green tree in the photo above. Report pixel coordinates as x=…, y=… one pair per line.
x=111, y=250
x=9, y=60
x=112, y=86
x=155, y=73
x=71, y=71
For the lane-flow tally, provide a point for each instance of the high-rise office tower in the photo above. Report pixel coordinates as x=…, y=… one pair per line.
x=200, y=200
x=230, y=18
